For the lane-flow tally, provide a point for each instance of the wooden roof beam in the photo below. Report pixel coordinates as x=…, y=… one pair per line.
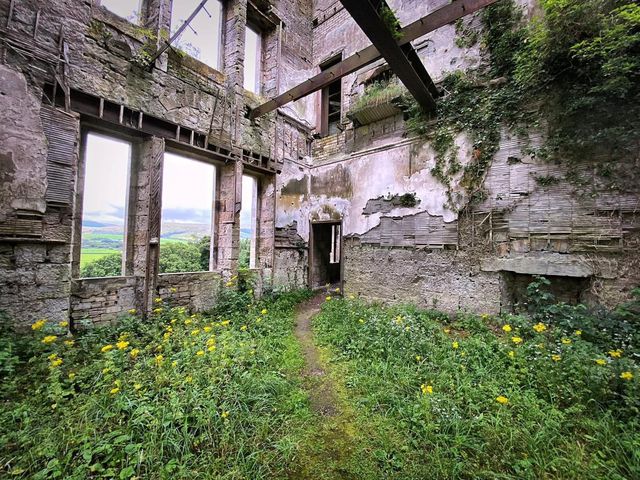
x=438, y=18
x=414, y=75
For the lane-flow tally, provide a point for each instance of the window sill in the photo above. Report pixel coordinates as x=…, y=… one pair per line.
x=123, y=25
x=181, y=62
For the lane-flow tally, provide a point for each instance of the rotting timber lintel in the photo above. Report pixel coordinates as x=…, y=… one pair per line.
x=412, y=73
x=438, y=18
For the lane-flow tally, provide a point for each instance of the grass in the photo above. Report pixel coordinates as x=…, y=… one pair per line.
x=179, y=396
x=430, y=388
x=88, y=255
x=417, y=394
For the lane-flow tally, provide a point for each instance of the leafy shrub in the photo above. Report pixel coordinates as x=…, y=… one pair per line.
x=176, y=396
x=491, y=397
x=108, y=266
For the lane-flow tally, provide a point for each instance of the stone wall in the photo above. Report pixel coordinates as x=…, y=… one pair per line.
x=60, y=58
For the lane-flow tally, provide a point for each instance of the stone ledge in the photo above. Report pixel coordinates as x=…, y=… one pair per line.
x=554, y=264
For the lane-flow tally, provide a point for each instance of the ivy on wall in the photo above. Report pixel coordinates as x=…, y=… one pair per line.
x=574, y=70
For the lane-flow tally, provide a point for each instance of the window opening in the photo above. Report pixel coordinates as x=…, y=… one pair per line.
x=248, y=221
x=202, y=39
x=252, y=59
x=104, y=206
x=128, y=9
x=331, y=109
x=188, y=189
x=334, y=254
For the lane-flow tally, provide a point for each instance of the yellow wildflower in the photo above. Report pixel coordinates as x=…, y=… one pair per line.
x=361, y=320
x=224, y=414
x=229, y=284
x=49, y=339
x=211, y=348
x=407, y=328
x=455, y=345
x=207, y=329
x=566, y=341
x=188, y=379
x=351, y=297
x=258, y=320
x=106, y=348
x=69, y=343
x=159, y=359
x=132, y=311
x=53, y=356
x=158, y=300
x=174, y=363
x=601, y=361
x=71, y=375
x=224, y=323
x=506, y=328
x=122, y=345
x=512, y=354
x=263, y=311
x=63, y=324
x=243, y=328
x=398, y=320
x=56, y=363
x=195, y=332
x=426, y=389
x=516, y=340
x=188, y=321
x=173, y=320
x=556, y=358
x=173, y=290
x=337, y=290
x=137, y=386
x=502, y=400
x=418, y=358
x=134, y=353
x=166, y=335
x=105, y=371
x=626, y=375
x=200, y=353
x=115, y=390
x=540, y=327
x=328, y=298
x=447, y=330
x=578, y=332
x=615, y=353
x=157, y=310
x=39, y=324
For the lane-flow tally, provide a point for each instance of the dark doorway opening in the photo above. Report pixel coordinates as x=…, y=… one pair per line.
x=326, y=255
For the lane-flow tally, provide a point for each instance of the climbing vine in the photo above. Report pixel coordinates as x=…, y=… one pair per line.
x=573, y=70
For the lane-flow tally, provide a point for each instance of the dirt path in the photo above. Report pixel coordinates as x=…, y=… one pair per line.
x=328, y=452
x=322, y=392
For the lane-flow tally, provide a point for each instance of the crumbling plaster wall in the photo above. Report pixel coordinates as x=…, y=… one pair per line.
x=98, y=54
x=442, y=251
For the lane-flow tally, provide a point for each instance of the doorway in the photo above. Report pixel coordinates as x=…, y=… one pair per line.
x=326, y=255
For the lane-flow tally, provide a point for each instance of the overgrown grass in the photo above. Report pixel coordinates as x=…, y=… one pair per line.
x=489, y=397
x=177, y=396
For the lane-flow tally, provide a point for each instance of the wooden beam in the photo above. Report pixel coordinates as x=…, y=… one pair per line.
x=413, y=75
x=439, y=18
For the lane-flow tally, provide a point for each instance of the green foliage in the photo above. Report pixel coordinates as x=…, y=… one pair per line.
x=378, y=92
x=245, y=253
x=176, y=396
x=434, y=384
x=578, y=62
x=178, y=257
x=108, y=266
x=390, y=20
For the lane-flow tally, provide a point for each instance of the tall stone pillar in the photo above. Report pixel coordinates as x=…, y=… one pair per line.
x=143, y=229
x=229, y=197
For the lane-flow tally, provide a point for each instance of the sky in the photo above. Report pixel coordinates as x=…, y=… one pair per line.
x=201, y=39
x=187, y=187
x=106, y=180
x=128, y=9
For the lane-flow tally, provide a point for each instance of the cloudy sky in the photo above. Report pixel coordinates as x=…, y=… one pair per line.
x=187, y=186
